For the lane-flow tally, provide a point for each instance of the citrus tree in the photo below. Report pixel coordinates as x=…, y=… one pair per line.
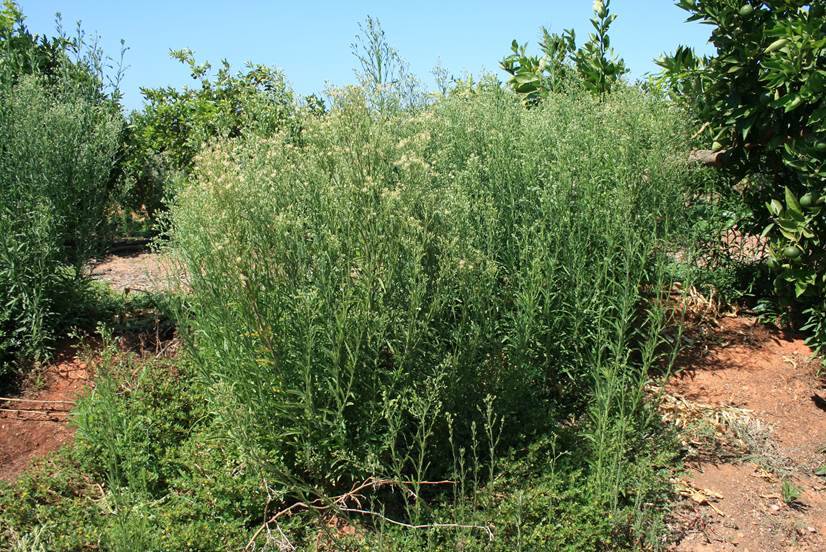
x=594, y=65
x=175, y=124
x=760, y=100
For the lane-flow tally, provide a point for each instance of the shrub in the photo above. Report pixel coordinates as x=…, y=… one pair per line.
x=351, y=295
x=56, y=155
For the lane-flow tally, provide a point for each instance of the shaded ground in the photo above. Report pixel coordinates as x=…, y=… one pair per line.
x=754, y=387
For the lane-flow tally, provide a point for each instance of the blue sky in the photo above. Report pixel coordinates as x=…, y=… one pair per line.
x=310, y=40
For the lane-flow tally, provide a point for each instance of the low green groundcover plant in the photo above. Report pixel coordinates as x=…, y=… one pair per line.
x=145, y=472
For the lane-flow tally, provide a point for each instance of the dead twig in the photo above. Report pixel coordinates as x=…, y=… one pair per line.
x=354, y=494
x=424, y=525
x=24, y=411
x=699, y=132
x=10, y=399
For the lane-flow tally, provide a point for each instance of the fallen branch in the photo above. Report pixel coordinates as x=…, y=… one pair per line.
x=340, y=504
x=707, y=157
x=424, y=525
x=35, y=401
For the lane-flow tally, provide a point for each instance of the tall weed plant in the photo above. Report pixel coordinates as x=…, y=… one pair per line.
x=365, y=303
x=58, y=147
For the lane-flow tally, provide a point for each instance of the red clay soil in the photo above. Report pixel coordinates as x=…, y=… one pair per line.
x=770, y=374
x=30, y=430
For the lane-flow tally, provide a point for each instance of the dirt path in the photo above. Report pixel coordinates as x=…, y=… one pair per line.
x=752, y=425
x=138, y=271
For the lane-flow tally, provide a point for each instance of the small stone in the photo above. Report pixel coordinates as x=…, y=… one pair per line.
x=811, y=529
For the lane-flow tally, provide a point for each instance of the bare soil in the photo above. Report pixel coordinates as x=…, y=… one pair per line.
x=36, y=423
x=137, y=271
x=737, y=503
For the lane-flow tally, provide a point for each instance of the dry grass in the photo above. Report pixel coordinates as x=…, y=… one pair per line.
x=714, y=432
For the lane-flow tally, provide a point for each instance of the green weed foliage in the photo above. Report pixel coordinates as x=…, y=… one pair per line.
x=58, y=148
x=357, y=300
x=60, y=129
